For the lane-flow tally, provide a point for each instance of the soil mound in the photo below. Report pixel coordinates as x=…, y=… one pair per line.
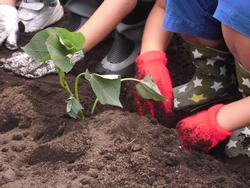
x=40, y=147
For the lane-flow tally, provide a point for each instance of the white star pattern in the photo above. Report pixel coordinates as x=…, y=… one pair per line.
x=223, y=71
x=232, y=144
x=246, y=132
x=219, y=58
x=176, y=103
x=210, y=62
x=240, y=90
x=182, y=89
x=217, y=86
x=196, y=54
x=197, y=82
x=246, y=82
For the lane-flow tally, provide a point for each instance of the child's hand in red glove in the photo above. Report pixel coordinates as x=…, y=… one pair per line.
x=153, y=63
x=201, y=132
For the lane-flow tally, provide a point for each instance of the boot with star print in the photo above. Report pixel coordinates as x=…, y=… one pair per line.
x=239, y=143
x=213, y=81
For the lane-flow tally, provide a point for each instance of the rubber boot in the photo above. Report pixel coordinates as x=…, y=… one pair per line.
x=213, y=81
x=239, y=142
x=120, y=58
x=80, y=12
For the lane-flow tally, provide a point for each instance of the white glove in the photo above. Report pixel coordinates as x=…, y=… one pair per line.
x=8, y=26
x=22, y=64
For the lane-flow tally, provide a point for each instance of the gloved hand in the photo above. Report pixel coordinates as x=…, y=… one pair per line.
x=22, y=64
x=8, y=26
x=201, y=132
x=153, y=63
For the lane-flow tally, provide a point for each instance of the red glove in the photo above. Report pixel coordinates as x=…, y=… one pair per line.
x=201, y=132
x=153, y=63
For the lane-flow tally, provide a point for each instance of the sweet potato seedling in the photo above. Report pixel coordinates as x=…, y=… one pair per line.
x=60, y=45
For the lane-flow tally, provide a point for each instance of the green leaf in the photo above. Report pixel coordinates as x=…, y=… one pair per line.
x=74, y=108
x=106, y=88
x=149, y=90
x=58, y=53
x=37, y=47
x=55, y=44
x=73, y=41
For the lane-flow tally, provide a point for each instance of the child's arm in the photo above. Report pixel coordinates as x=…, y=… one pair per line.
x=154, y=35
x=235, y=115
x=8, y=2
x=104, y=20
x=153, y=60
x=204, y=130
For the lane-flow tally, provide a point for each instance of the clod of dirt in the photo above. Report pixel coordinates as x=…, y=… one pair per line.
x=15, y=108
x=18, y=147
x=7, y=176
x=17, y=136
x=46, y=154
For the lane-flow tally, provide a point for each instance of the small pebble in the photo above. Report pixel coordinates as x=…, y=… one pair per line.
x=73, y=176
x=136, y=147
x=1, y=167
x=93, y=173
x=100, y=166
x=109, y=156
x=9, y=176
x=18, y=173
x=4, y=149
x=18, y=148
x=24, y=126
x=5, y=142
x=17, y=136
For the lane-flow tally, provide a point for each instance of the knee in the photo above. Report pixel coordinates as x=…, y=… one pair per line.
x=202, y=41
x=238, y=44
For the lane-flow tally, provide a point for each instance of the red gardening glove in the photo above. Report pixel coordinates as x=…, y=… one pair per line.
x=153, y=63
x=201, y=132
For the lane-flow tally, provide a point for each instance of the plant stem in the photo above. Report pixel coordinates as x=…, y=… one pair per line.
x=81, y=114
x=63, y=81
x=94, y=106
x=77, y=85
x=130, y=79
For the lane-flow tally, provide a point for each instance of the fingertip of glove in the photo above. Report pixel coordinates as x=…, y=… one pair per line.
x=11, y=46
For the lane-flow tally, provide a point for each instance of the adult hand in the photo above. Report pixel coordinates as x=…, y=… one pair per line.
x=8, y=26
x=153, y=63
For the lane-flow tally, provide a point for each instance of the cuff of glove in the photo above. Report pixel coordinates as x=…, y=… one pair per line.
x=77, y=56
x=221, y=133
x=151, y=57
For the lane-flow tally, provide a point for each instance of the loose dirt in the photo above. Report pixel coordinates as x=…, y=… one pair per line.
x=41, y=147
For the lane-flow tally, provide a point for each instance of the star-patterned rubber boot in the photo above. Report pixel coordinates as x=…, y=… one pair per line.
x=213, y=81
x=239, y=142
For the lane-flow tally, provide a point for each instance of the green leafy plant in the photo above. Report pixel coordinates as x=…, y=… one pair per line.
x=58, y=45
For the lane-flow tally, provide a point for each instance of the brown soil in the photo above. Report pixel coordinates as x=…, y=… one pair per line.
x=41, y=147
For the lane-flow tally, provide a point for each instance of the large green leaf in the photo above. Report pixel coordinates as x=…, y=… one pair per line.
x=55, y=44
x=37, y=47
x=74, y=108
x=106, y=88
x=58, y=53
x=73, y=41
x=149, y=90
